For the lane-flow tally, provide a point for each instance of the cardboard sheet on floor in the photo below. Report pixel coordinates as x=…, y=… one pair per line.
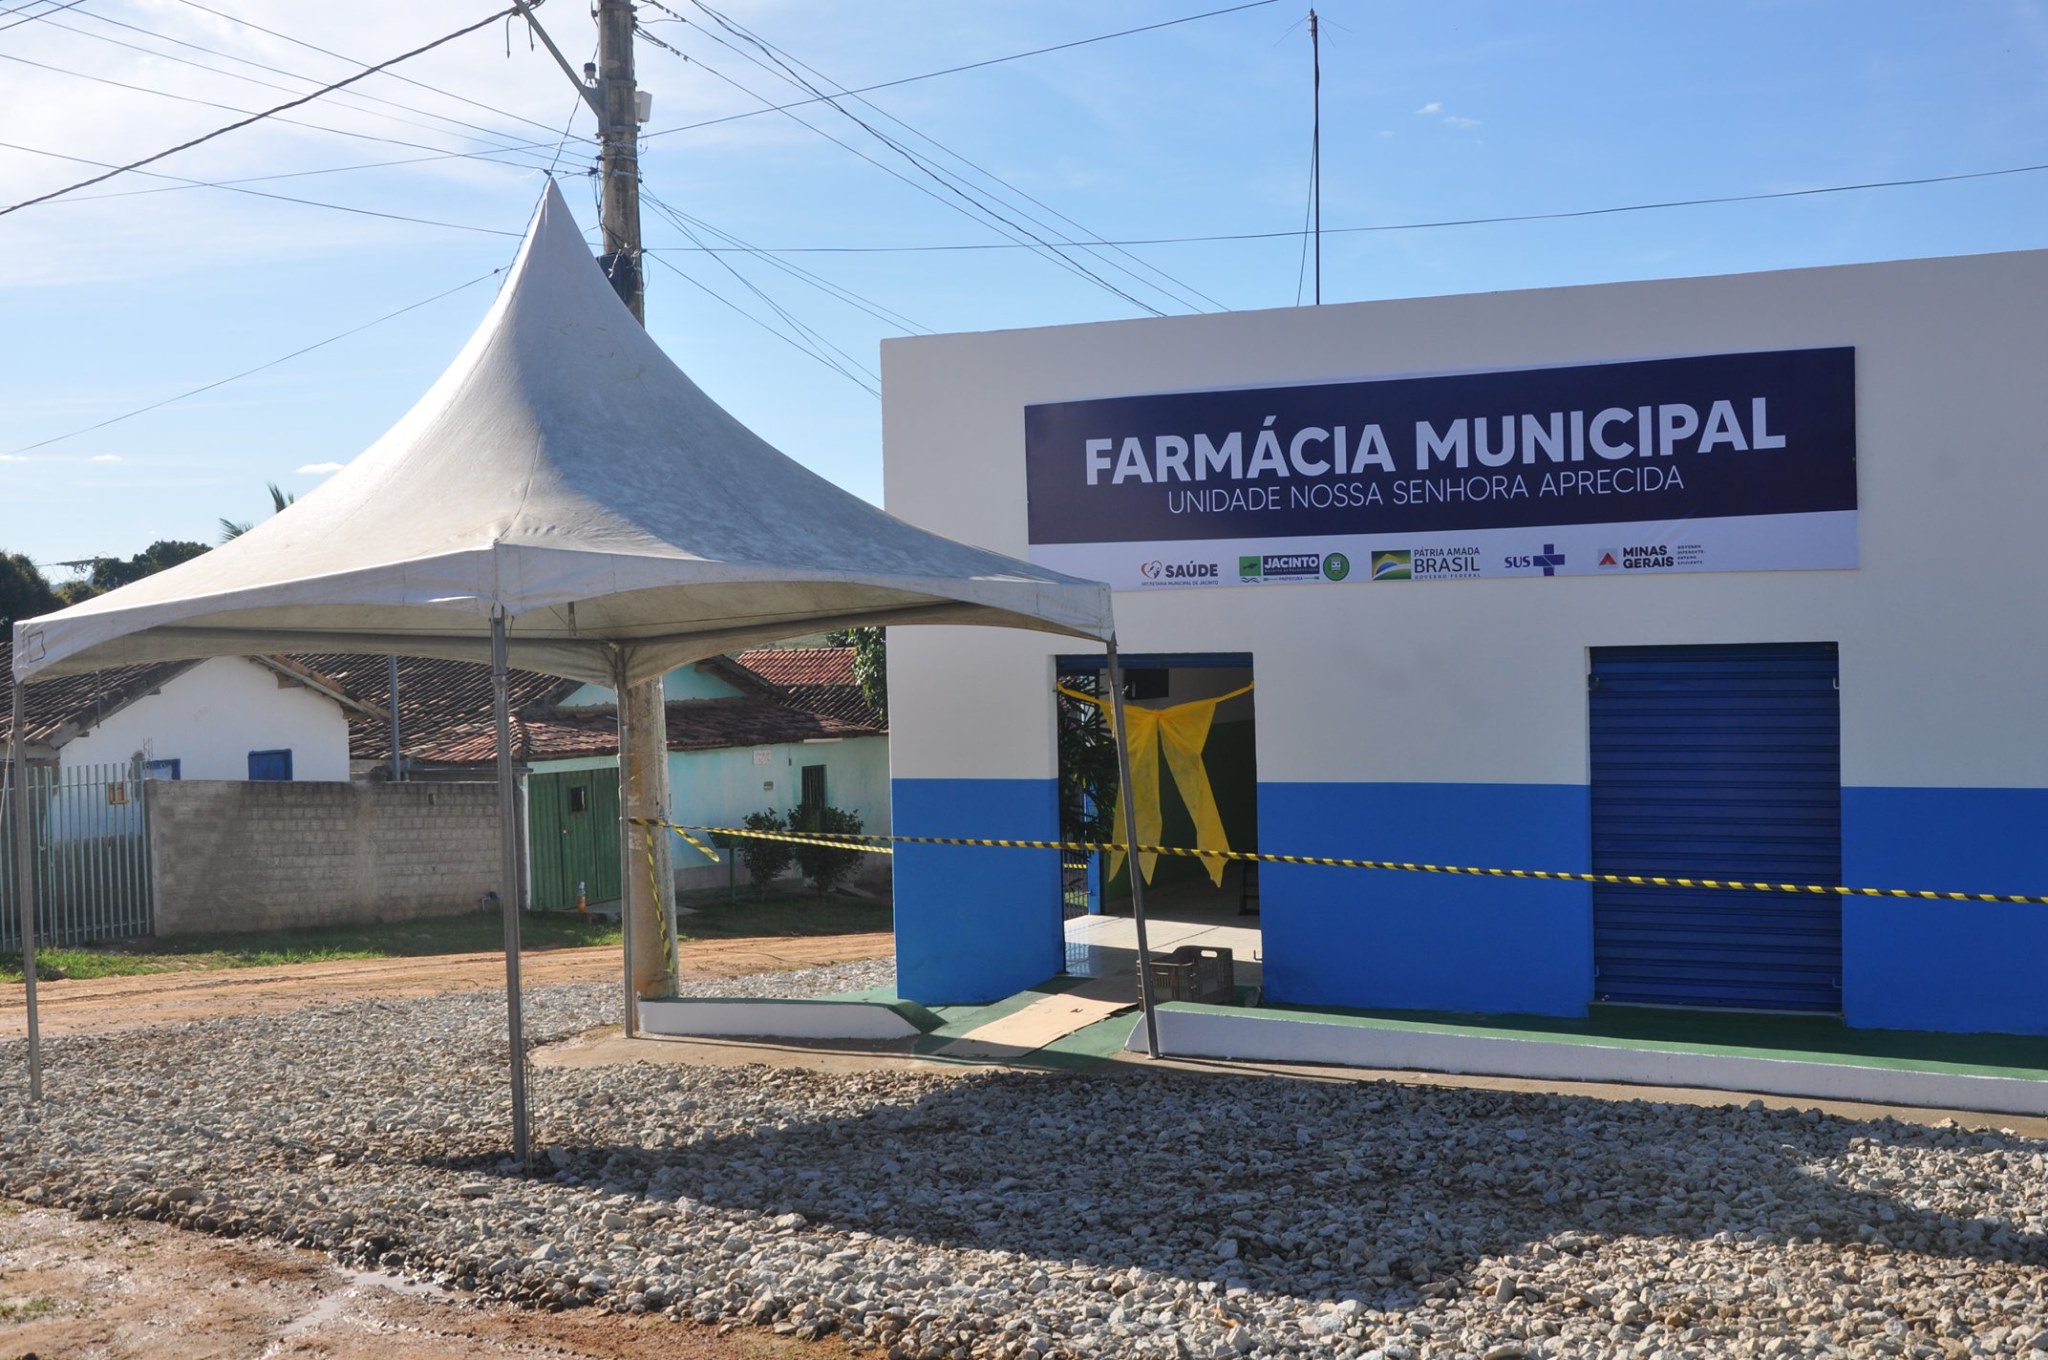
x=1047, y=1020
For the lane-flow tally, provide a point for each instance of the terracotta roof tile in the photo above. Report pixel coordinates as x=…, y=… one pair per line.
x=818, y=680
x=57, y=709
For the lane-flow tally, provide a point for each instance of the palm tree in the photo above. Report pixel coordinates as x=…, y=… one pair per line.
x=229, y=528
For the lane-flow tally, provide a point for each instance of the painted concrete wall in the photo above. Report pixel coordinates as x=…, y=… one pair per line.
x=211, y=717
x=1440, y=721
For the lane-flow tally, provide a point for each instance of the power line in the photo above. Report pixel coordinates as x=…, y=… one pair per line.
x=255, y=117
x=967, y=66
x=999, y=224
x=236, y=188
x=780, y=54
x=719, y=297
x=180, y=182
x=439, y=152
x=208, y=387
x=575, y=106
x=546, y=145
x=395, y=75
x=886, y=315
x=950, y=183
x=68, y=4
x=812, y=337
x=1563, y=215
x=264, y=66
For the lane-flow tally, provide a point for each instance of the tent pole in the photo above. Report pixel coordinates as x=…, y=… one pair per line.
x=508, y=883
x=625, y=842
x=25, y=888
x=1130, y=802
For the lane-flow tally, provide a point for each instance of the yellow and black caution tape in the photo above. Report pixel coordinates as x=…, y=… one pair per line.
x=884, y=845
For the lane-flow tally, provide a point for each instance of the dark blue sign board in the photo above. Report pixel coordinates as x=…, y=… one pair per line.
x=1654, y=448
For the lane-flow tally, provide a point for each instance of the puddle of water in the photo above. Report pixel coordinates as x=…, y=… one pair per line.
x=332, y=1304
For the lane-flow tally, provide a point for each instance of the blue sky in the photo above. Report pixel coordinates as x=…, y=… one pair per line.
x=112, y=299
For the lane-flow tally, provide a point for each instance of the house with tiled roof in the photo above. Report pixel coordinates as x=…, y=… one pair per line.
x=762, y=730
x=227, y=718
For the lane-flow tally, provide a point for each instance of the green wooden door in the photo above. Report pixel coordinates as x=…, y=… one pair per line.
x=573, y=829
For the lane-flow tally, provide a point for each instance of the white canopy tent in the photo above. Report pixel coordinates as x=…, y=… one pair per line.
x=564, y=499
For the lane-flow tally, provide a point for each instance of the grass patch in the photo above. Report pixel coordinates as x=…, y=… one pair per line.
x=22, y=1309
x=712, y=917
x=469, y=933
x=715, y=917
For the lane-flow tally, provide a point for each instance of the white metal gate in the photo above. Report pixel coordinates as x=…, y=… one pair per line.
x=89, y=827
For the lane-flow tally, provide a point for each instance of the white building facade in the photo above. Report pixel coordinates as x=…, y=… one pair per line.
x=1487, y=629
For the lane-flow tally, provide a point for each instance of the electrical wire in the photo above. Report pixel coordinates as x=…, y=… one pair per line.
x=475, y=128
x=782, y=56
x=1308, y=204
x=810, y=335
x=955, y=70
x=715, y=295
x=1506, y=218
x=575, y=107
x=293, y=122
x=1000, y=225
x=183, y=183
x=552, y=139
x=236, y=188
x=886, y=315
x=68, y=4
x=235, y=377
x=395, y=75
x=1008, y=225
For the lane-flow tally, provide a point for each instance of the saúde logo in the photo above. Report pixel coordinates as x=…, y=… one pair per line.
x=1178, y=573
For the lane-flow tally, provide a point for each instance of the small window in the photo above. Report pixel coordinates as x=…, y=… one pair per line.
x=163, y=769
x=579, y=798
x=813, y=786
x=270, y=765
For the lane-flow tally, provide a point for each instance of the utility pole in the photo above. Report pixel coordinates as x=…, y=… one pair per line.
x=647, y=879
x=618, y=100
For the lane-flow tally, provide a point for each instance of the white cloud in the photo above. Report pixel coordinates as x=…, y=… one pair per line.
x=1433, y=106
x=320, y=469
x=104, y=458
x=1461, y=122
x=12, y=458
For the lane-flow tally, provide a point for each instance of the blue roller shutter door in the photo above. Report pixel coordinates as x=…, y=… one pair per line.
x=1721, y=762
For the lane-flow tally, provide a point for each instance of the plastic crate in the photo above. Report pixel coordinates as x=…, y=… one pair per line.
x=1195, y=973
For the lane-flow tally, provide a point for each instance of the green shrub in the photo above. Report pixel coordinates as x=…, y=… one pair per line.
x=765, y=859
x=826, y=867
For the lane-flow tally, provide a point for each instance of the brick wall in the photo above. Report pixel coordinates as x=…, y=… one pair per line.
x=277, y=856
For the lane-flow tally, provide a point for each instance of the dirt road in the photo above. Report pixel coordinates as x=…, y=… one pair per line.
x=110, y=1005
x=130, y=1291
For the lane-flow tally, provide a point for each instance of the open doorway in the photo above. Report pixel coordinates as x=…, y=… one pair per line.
x=1185, y=904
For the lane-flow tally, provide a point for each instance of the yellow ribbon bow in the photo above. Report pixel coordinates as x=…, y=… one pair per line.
x=1181, y=731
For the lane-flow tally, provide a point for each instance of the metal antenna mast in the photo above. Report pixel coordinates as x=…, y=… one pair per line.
x=1315, y=149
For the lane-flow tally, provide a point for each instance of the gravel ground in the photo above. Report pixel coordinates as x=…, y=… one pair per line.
x=1133, y=1212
